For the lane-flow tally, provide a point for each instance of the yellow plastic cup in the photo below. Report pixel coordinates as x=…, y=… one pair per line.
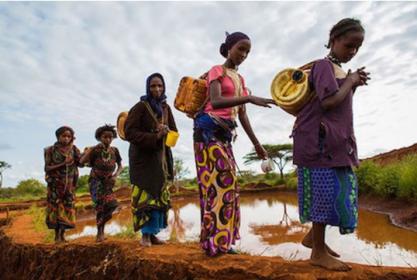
x=172, y=138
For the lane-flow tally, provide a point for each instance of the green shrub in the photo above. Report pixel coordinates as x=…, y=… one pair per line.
x=82, y=184
x=388, y=180
x=368, y=176
x=408, y=178
x=391, y=181
x=292, y=183
x=31, y=187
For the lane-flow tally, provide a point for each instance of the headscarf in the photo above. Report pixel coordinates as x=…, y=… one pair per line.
x=156, y=103
x=62, y=129
x=231, y=40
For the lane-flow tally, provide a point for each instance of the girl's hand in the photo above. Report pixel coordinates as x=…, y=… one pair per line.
x=260, y=151
x=359, y=77
x=364, y=75
x=264, y=102
x=89, y=150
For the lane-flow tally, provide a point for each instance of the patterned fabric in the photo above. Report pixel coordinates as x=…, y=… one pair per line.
x=103, y=164
x=328, y=196
x=219, y=196
x=143, y=204
x=61, y=182
x=156, y=223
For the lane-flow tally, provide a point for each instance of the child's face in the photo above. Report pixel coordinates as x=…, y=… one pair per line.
x=346, y=46
x=156, y=87
x=106, y=138
x=240, y=51
x=65, y=138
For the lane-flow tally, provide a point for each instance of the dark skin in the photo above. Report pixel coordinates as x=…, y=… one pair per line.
x=156, y=88
x=236, y=56
x=106, y=139
x=344, y=48
x=65, y=139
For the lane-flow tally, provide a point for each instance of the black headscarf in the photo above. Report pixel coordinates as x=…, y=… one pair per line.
x=156, y=103
x=231, y=40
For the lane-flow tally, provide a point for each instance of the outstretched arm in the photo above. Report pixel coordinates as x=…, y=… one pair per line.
x=244, y=120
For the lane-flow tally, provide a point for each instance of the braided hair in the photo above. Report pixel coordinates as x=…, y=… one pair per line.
x=342, y=27
x=106, y=127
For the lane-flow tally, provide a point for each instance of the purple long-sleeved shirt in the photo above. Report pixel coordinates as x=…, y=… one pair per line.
x=337, y=145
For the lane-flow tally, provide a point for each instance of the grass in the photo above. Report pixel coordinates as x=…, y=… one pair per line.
x=396, y=180
x=20, y=198
x=38, y=218
x=128, y=233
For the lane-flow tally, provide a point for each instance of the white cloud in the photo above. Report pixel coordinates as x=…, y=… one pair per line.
x=83, y=63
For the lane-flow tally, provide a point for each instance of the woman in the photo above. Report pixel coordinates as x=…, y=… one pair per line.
x=325, y=146
x=213, y=134
x=103, y=159
x=150, y=161
x=61, y=173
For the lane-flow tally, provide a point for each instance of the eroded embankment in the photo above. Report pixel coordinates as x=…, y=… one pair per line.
x=119, y=259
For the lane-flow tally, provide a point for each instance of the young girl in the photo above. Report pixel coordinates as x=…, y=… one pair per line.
x=325, y=147
x=61, y=175
x=213, y=134
x=103, y=159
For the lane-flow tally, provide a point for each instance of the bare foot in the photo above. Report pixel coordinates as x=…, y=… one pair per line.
x=62, y=235
x=308, y=242
x=156, y=241
x=146, y=240
x=57, y=237
x=328, y=262
x=100, y=238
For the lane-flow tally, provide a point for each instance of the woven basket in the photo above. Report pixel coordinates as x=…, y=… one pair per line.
x=121, y=121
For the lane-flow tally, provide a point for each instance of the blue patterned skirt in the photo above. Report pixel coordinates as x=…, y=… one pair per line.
x=328, y=196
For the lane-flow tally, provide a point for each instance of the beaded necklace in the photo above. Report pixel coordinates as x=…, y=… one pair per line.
x=106, y=154
x=334, y=60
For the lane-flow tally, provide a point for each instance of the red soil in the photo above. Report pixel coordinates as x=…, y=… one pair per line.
x=394, y=155
x=20, y=258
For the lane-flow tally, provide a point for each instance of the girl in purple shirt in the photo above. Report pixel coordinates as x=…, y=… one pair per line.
x=325, y=145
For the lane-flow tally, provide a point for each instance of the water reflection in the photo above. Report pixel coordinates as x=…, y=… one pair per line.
x=270, y=227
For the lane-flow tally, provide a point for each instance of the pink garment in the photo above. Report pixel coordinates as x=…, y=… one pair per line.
x=228, y=90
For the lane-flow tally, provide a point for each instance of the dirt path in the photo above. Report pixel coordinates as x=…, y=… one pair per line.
x=118, y=259
x=21, y=230
x=24, y=255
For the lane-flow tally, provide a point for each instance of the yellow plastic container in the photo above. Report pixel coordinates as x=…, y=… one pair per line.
x=290, y=90
x=172, y=138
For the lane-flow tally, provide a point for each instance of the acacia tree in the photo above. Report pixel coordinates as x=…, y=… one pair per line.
x=3, y=166
x=281, y=154
x=180, y=171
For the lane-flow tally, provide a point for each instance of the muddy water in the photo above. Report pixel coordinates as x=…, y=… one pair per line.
x=270, y=227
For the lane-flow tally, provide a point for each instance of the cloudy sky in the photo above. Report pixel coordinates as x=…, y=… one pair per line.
x=80, y=64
